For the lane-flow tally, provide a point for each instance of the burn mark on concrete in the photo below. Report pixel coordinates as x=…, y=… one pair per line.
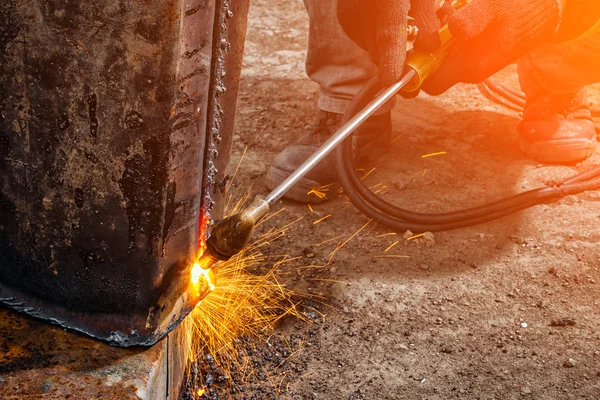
x=92, y=102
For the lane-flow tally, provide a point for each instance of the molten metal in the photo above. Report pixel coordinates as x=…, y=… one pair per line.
x=202, y=277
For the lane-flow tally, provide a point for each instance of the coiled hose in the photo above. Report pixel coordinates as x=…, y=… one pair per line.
x=401, y=219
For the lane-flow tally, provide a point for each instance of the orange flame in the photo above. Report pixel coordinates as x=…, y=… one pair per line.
x=200, y=276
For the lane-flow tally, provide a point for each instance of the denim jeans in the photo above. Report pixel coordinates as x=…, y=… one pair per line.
x=335, y=62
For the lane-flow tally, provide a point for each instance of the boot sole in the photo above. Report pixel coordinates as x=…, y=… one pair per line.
x=559, y=151
x=303, y=191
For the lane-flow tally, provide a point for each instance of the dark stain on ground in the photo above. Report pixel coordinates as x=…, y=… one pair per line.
x=92, y=101
x=9, y=27
x=79, y=197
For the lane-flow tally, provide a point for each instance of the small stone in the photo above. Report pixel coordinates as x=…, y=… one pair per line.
x=46, y=386
x=333, y=269
x=563, y=322
x=570, y=363
x=424, y=267
x=540, y=304
x=526, y=391
x=524, y=325
x=308, y=253
x=429, y=239
x=407, y=235
x=552, y=271
x=398, y=184
x=447, y=350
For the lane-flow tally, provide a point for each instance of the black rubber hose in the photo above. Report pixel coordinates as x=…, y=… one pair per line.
x=494, y=98
x=514, y=97
x=400, y=219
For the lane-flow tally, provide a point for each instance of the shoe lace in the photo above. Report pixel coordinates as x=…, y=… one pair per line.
x=327, y=123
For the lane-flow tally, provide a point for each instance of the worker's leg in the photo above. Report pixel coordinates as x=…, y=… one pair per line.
x=557, y=124
x=341, y=68
x=335, y=62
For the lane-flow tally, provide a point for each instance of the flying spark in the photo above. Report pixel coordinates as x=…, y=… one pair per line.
x=439, y=153
x=322, y=219
x=392, y=245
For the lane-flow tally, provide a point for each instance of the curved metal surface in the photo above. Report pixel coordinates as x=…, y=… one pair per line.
x=106, y=122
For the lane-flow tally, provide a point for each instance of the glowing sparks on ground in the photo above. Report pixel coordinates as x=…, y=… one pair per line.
x=439, y=153
x=329, y=240
x=368, y=173
x=247, y=300
x=380, y=189
x=415, y=236
x=322, y=219
x=392, y=245
x=391, y=256
x=397, y=137
x=347, y=240
x=317, y=193
x=320, y=192
x=386, y=234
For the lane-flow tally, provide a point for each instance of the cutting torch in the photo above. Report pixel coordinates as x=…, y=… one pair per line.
x=230, y=235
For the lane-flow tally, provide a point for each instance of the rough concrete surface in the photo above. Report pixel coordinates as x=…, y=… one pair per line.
x=42, y=361
x=504, y=310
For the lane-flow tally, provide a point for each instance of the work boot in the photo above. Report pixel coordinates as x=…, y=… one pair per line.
x=558, y=129
x=318, y=183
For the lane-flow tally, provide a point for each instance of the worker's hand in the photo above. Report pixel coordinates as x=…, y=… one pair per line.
x=490, y=34
x=380, y=27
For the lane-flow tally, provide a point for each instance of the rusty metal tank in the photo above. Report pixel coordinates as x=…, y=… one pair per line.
x=116, y=121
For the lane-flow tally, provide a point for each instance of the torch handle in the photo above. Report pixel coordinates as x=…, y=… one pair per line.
x=426, y=63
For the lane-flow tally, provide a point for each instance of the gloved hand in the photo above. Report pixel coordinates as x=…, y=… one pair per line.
x=379, y=26
x=490, y=34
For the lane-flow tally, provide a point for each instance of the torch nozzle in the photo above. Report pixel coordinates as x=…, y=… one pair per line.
x=230, y=235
